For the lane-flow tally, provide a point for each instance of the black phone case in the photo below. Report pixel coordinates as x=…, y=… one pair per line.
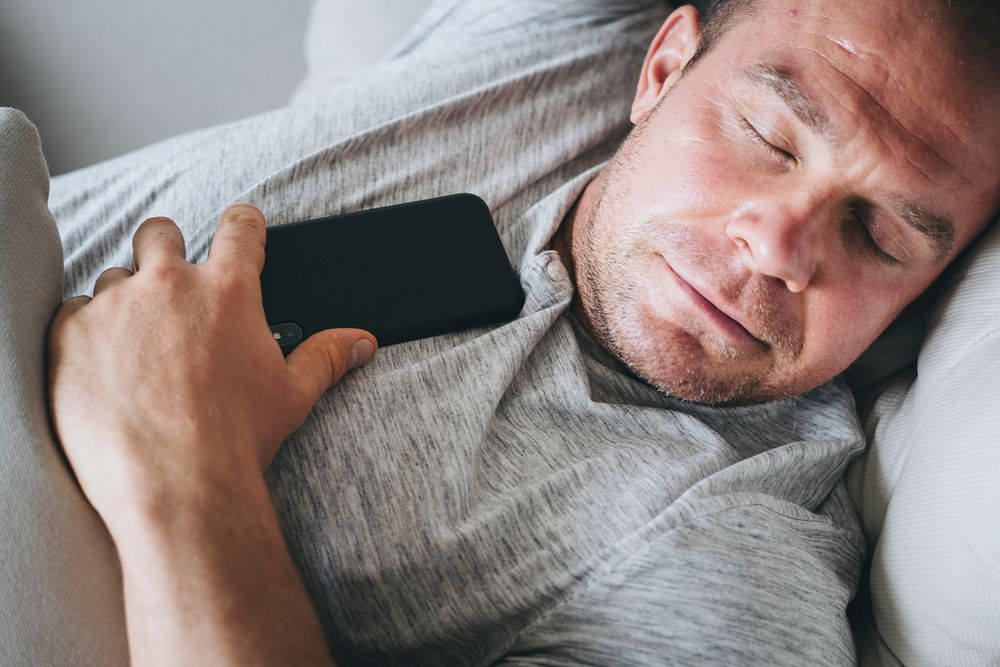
x=401, y=272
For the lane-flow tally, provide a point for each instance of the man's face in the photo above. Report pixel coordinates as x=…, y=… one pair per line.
x=788, y=197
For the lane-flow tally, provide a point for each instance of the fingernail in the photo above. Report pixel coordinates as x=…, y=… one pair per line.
x=363, y=351
x=246, y=209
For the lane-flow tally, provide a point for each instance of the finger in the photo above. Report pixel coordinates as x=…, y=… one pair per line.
x=321, y=360
x=239, y=240
x=158, y=240
x=112, y=276
x=68, y=307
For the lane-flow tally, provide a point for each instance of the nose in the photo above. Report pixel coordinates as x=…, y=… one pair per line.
x=778, y=240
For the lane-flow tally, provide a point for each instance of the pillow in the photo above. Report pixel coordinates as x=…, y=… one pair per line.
x=928, y=492
x=345, y=39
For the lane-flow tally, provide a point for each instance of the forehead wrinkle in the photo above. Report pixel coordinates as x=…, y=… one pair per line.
x=872, y=102
x=859, y=54
x=783, y=82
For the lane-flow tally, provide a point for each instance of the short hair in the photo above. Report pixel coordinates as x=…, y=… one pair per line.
x=977, y=24
x=975, y=30
x=719, y=17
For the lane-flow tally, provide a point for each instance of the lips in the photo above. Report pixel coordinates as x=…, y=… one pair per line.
x=725, y=318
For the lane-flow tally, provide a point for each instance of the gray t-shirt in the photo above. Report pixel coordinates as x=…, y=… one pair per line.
x=510, y=494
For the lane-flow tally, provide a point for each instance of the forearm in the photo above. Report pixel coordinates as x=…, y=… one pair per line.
x=208, y=580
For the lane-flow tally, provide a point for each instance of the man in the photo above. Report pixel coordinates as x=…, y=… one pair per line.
x=785, y=195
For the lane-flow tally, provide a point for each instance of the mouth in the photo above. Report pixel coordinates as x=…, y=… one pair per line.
x=723, y=317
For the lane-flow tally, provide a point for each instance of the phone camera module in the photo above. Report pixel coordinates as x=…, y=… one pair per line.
x=287, y=335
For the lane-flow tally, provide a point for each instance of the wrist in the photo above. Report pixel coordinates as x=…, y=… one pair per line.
x=139, y=484
x=156, y=508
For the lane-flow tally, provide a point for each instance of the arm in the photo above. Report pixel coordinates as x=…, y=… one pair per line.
x=170, y=398
x=208, y=580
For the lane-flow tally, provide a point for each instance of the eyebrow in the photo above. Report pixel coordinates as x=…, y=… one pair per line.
x=938, y=230
x=785, y=84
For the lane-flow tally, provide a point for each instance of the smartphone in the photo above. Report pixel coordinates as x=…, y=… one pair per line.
x=402, y=272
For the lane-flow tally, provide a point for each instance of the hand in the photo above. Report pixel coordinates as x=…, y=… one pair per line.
x=169, y=380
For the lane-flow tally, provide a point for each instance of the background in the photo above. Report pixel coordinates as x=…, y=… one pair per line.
x=101, y=78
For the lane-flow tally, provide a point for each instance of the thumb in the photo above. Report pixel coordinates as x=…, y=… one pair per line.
x=321, y=360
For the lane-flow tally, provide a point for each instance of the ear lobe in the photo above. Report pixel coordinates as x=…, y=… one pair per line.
x=669, y=52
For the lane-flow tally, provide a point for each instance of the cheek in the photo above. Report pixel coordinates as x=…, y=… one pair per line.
x=843, y=321
x=838, y=334
x=688, y=172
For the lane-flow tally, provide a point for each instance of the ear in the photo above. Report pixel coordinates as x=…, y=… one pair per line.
x=670, y=50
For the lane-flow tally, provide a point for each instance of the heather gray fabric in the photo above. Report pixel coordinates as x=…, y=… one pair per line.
x=509, y=493
x=60, y=590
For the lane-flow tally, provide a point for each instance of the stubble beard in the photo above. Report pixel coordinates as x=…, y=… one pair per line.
x=610, y=302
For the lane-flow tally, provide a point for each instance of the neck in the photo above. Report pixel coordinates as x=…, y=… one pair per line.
x=567, y=242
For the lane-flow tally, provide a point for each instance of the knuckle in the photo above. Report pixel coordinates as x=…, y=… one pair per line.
x=164, y=275
x=236, y=283
x=110, y=298
x=230, y=279
x=328, y=353
x=340, y=356
x=67, y=318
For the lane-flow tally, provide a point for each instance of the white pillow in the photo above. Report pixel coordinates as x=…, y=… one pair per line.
x=345, y=39
x=928, y=490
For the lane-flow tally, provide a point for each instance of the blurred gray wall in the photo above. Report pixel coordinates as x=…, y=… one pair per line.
x=102, y=77
x=99, y=78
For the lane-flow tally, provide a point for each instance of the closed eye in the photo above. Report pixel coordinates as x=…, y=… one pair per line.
x=864, y=231
x=784, y=156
